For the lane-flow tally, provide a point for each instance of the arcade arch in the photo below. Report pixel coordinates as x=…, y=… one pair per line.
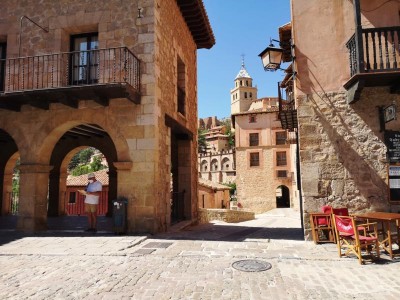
x=282, y=197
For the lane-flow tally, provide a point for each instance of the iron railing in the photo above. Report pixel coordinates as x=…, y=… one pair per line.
x=379, y=51
x=67, y=69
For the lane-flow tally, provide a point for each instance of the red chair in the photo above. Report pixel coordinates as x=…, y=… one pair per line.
x=321, y=226
x=353, y=241
x=343, y=211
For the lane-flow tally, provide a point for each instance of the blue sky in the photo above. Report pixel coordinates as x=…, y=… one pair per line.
x=240, y=27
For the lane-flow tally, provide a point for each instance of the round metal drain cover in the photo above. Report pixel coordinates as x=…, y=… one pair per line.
x=251, y=265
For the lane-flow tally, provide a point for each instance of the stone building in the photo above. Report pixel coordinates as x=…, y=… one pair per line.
x=345, y=93
x=217, y=163
x=264, y=156
x=119, y=76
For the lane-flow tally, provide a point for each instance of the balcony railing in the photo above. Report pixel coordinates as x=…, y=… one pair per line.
x=69, y=69
x=287, y=109
x=380, y=49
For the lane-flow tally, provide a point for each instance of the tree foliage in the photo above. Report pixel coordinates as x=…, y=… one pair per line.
x=228, y=131
x=85, y=162
x=202, y=144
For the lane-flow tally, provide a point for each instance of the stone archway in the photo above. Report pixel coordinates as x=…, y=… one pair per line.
x=282, y=197
x=8, y=156
x=62, y=154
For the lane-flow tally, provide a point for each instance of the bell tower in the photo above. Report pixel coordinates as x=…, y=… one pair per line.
x=243, y=93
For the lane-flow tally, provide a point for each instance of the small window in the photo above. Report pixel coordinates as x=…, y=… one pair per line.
x=282, y=174
x=280, y=137
x=251, y=95
x=181, y=87
x=253, y=139
x=281, y=158
x=254, y=159
x=72, y=197
x=247, y=83
x=241, y=83
x=245, y=94
x=252, y=119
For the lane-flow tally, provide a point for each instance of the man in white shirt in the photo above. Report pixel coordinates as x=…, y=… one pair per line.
x=93, y=191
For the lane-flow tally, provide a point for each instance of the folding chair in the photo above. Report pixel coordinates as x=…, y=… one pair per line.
x=352, y=238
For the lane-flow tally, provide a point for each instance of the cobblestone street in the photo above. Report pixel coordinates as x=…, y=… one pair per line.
x=195, y=263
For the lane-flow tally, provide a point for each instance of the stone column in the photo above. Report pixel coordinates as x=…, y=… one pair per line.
x=124, y=188
x=7, y=192
x=62, y=194
x=34, y=185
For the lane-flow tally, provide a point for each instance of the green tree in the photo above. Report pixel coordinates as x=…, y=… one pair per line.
x=228, y=131
x=202, y=144
x=85, y=155
x=96, y=165
x=80, y=170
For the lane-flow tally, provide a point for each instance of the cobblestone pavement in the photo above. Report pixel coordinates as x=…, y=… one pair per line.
x=195, y=263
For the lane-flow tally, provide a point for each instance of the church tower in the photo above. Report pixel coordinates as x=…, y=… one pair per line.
x=243, y=93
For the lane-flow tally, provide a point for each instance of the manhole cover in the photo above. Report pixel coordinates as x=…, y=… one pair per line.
x=251, y=265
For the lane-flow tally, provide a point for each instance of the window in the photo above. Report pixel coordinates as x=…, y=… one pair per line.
x=181, y=86
x=280, y=138
x=3, y=47
x=253, y=139
x=247, y=83
x=241, y=83
x=72, y=197
x=252, y=119
x=281, y=158
x=254, y=159
x=282, y=173
x=84, y=58
x=245, y=94
x=251, y=94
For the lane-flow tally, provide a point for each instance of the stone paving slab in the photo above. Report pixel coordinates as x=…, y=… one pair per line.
x=196, y=264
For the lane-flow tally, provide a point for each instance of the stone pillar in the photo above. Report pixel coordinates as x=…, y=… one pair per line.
x=32, y=211
x=6, y=192
x=124, y=188
x=54, y=186
x=62, y=194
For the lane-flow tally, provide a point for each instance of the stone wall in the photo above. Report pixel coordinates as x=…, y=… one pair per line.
x=343, y=155
x=226, y=215
x=139, y=140
x=256, y=186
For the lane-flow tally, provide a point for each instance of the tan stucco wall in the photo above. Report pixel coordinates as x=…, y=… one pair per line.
x=256, y=186
x=342, y=151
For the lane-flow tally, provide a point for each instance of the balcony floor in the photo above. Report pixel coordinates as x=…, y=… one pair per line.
x=70, y=96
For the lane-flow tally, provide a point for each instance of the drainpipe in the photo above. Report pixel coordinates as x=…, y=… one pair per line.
x=20, y=31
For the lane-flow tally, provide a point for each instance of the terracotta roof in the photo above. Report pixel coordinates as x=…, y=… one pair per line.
x=82, y=180
x=196, y=18
x=213, y=185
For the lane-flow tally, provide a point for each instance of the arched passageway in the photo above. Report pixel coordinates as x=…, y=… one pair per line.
x=75, y=139
x=8, y=157
x=282, y=197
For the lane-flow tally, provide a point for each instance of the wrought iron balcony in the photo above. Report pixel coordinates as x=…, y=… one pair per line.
x=374, y=60
x=287, y=109
x=67, y=77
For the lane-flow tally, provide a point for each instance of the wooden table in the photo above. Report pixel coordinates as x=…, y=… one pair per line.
x=386, y=219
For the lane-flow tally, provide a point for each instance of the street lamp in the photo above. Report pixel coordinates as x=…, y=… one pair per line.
x=271, y=57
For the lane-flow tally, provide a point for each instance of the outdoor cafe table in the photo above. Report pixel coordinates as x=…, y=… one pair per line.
x=386, y=219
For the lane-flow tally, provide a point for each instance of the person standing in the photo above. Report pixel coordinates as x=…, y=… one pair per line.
x=93, y=191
